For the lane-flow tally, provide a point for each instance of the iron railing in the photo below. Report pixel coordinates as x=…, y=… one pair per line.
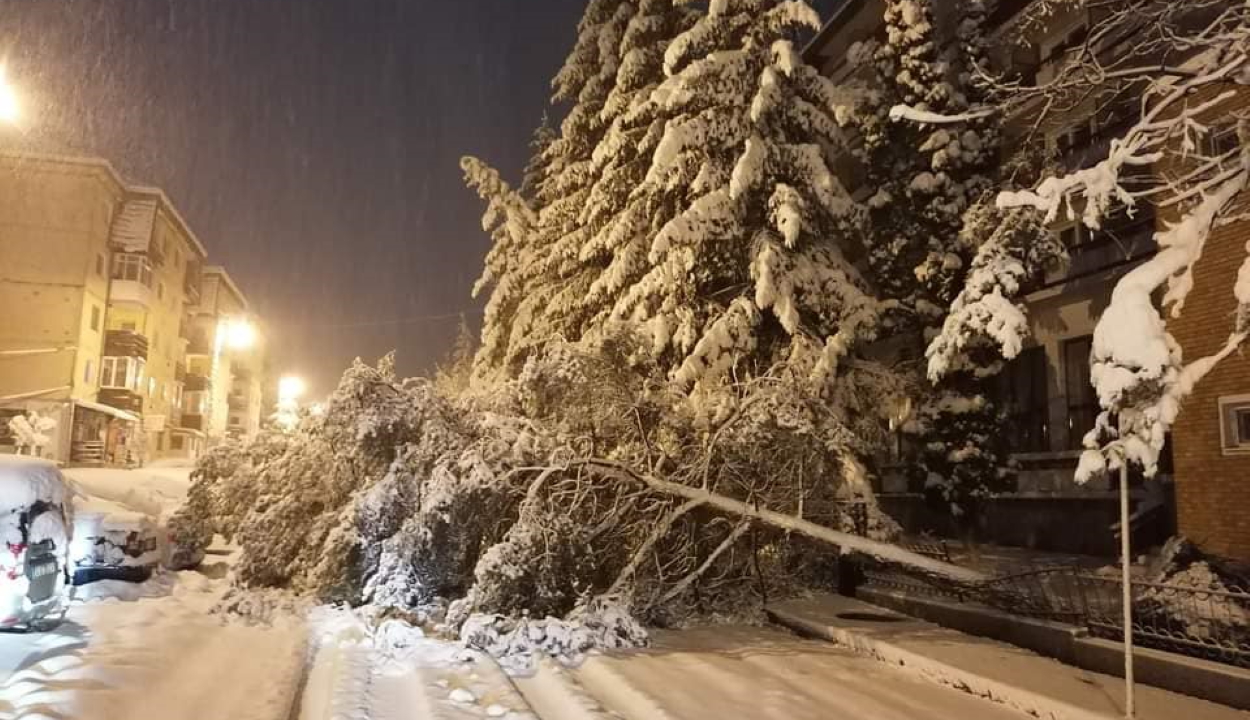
x=1194, y=621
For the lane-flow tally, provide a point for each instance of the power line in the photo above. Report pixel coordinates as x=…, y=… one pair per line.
x=387, y=323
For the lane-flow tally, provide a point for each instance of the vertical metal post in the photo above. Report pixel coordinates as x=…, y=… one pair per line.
x=1126, y=579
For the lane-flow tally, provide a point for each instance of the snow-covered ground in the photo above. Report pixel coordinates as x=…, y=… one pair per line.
x=159, y=657
x=749, y=673
x=159, y=651
x=156, y=491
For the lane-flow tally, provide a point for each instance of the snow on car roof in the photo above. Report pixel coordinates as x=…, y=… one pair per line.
x=26, y=480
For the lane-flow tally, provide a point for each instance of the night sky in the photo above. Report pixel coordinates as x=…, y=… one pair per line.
x=313, y=145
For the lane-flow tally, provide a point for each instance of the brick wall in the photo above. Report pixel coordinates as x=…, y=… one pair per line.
x=1213, y=488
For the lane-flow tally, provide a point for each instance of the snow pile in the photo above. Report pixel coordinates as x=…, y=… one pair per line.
x=520, y=642
x=26, y=480
x=155, y=491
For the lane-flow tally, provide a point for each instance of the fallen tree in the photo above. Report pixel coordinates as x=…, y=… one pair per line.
x=587, y=482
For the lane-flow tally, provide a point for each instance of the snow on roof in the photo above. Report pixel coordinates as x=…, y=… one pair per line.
x=133, y=227
x=107, y=410
x=26, y=480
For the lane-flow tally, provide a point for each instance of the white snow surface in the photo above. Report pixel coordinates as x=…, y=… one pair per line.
x=389, y=670
x=156, y=653
x=731, y=672
x=25, y=480
x=155, y=491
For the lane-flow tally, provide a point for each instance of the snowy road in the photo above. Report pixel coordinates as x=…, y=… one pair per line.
x=153, y=658
x=731, y=673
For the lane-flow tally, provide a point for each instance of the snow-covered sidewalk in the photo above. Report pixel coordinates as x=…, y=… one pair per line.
x=750, y=673
x=1009, y=675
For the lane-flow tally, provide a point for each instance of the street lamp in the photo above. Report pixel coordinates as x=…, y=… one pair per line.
x=10, y=108
x=290, y=389
x=240, y=334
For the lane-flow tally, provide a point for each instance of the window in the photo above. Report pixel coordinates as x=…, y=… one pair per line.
x=1083, y=405
x=87, y=372
x=99, y=264
x=95, y=318
x=132, y=267
x=175, y=442
x=1222, y=140
x=1235, y=424
x=160, y=291
x=193, y=402
x=1074, y=138
x=1074, y=236
x=1023, y=395
x=122, y=373
x=152, y=387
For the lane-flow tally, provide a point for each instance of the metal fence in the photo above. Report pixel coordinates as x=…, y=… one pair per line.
x=1193, y=621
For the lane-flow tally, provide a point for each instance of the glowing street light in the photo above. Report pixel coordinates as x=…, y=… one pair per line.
x=290, y=389
x=240, y=334
x=10, y=108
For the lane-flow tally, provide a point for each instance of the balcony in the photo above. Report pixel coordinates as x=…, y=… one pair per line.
x=128, y=400
x=199, y=343
x=1122, y=240
x=194, y=382
x=131, y=292
x=125, y=343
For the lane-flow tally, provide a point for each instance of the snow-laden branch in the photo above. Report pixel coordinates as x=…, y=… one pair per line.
x=880, y=551
x=1138, y=368
x=906, y=112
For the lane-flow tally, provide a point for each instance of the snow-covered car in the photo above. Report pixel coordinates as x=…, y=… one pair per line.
x=112, y=542
x=35, y=526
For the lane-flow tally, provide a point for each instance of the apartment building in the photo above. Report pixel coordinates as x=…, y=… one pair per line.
x=155, y=276
x=1046, y=391
x=103, y=289
x=226, y=361
x=56, y=224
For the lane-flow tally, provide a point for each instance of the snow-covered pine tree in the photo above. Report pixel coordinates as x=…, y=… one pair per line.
x=510, y=222
x=556, y=281
x=539, y=169
x=924, y=180
x=635, y=118
x=453, y=376
x=750, y=267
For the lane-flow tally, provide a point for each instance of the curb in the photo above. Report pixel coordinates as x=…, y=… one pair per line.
x=937, y=672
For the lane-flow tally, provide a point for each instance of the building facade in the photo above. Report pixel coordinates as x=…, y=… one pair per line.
x=1046, y=392
x=101, y=286
x=227, y=357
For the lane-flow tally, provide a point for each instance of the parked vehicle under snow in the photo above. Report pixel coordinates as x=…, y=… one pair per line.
x=35, y=525
x=112, y=542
